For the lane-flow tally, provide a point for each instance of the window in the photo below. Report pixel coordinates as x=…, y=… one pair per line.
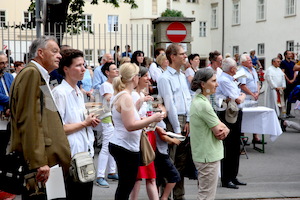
x=154, y=7
x=290, y=7
x=101, y=52
x=261, y=49
x=235, y=50
x=192, y=1
x=88, y=54
x=202, y=29
x=29, y=19
x=214, y=21
x=261, y=10
x=87, y=22
x=236, y=13
x=2, y=19
x=113, y=23
x=290, y=45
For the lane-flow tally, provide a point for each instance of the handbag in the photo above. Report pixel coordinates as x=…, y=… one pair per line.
x=147, y=152
x=82, y=168
x=13, y=168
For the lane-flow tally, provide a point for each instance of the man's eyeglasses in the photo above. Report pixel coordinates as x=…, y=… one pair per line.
x=181, y=54
x=3, y=63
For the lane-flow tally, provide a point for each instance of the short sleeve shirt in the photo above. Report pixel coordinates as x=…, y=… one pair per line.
x=205, y=146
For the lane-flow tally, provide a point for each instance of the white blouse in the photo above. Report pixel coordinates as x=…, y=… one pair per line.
x=71, y=107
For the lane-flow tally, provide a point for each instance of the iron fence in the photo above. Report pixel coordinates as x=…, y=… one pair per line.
x=94, y=41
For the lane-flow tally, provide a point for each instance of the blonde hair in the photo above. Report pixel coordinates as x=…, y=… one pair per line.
x=127, y=72
x=124, y=60
x=160, y=59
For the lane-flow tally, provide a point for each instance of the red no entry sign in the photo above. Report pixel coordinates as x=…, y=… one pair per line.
x=176, y=32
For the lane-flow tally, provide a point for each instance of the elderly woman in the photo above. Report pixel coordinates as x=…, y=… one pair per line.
x=207, y=133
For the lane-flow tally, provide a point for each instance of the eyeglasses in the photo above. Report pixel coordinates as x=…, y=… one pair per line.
x=181, y=54
x=3, y=63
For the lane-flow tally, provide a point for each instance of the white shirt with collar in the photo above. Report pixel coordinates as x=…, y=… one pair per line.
x=173, y=88
x=70, y=103
x=46, y=91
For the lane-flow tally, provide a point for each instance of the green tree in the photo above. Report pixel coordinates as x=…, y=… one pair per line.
x=66, y=15
x=172, y=13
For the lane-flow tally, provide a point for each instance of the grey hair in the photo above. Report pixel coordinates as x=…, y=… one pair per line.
x=243, y=57
x=2, y=53
x=227, y=64
x=38, y=44
x=202, y=75
x=143, y=71
x=274, y=59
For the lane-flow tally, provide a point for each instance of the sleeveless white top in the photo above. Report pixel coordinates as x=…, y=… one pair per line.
x=129, y=140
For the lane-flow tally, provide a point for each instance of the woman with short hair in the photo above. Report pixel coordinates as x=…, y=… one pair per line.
x=207, y=133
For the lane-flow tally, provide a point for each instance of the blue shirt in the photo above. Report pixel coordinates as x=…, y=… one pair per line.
x=172, y=87
x=127, y=54
x=227, y=87
x=251, y=80
x=254, y=60
x=4, y=99
x=87, y=83
x=98, y=78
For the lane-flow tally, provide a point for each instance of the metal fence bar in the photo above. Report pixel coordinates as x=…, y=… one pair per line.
x=143, y=38
x=148, y=45
x=8, y=38
x=121, y=39
x=88, y=45
x=104, y=37
x=20, y=44
x=99, y=53
x=94, y=42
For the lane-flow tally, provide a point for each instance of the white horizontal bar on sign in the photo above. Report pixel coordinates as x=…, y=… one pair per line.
x=176, y=32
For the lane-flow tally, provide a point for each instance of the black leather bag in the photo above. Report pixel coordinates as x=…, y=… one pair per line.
x=12, y=170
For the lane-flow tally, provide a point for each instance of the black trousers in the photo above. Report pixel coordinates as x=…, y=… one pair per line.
x=231, y=161
x=289, y=88
x=4, y=139
x=128, y=163
x=77, y=190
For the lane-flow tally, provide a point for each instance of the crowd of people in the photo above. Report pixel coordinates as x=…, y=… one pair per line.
x=49, y=121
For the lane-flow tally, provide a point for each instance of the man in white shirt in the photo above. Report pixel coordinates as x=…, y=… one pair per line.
x=173, y=88
x=229, y=91
x=250, y=85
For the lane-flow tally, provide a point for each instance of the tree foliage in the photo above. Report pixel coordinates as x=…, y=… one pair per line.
x=70, y=11
x=172, y=13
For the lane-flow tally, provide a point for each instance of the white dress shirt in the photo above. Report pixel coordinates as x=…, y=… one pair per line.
x=173, y=88
x=70, y=103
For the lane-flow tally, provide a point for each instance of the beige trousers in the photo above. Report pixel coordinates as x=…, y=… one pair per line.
x=207, y=179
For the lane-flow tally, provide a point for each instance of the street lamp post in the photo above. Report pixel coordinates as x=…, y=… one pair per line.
x=38, y=19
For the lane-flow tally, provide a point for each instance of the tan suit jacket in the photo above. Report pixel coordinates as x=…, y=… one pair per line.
x=37, y=131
